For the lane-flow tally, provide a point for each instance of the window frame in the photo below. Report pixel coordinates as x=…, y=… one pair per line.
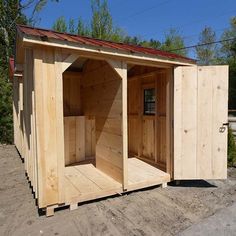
x=148, y=87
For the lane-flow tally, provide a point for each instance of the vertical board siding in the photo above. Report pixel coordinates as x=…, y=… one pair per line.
x=102, y=98
x=189, y=121
x=220, y=116
x=79, y=138
x=49, y=126
x=71, y=94
x=205, y=114
x=200, y=109
x=147, y=134
x=178, y=122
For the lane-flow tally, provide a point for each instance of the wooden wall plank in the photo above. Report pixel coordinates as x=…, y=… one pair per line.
x=219, y=75
x=178, y=88
x=49, y=126
x=204, y=119
x=189, y=122
x=80, y=138
x=71, y=94
x=101, y=91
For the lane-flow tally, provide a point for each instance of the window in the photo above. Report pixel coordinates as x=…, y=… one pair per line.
x=149, y=101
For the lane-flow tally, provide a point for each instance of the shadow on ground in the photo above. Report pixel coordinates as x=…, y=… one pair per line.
x=192, y=183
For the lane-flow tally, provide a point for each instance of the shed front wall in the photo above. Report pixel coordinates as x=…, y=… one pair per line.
x=49, y=126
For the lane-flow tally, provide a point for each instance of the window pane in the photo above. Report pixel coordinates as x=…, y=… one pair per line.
x=149, y=101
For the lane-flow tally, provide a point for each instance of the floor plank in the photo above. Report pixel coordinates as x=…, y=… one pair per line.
x=85, y=182
x=141, y=175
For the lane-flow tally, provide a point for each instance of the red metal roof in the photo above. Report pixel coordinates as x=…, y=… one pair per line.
x=45, y=33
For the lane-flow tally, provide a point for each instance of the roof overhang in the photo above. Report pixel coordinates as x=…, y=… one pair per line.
x=99, y=52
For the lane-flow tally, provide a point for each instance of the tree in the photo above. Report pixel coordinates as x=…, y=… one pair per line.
x=11, y=13
x=9, y=16
x=174, y=42
x=228, y=56
x=36, y=6
x=60, y=25
x=226, y=48
x=206, y=53
x=82, y=28
x=71, y=27
x=102, y=25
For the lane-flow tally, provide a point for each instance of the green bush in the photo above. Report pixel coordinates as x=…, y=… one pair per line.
x=231, y=149
x=6, y=123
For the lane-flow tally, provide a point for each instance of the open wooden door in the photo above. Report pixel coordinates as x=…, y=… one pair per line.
x=200, y=117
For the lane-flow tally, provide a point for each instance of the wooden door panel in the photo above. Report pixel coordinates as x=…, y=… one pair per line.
x=200, y=109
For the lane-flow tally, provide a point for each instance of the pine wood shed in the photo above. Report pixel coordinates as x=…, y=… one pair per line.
x=94, y=118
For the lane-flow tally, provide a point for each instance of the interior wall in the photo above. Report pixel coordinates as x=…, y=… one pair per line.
x=79, y=130
x=101, y=93
x=71, y=94
x=147, y=133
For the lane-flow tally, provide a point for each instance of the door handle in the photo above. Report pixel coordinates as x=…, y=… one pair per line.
x=223, y=127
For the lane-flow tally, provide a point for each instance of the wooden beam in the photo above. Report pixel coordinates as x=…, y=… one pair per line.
x=68, y=61
x=117, y=66
x=153, y=73
x=120, y=67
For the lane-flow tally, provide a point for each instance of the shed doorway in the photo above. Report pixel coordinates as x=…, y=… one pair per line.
x=92, y=130
x=148, y=117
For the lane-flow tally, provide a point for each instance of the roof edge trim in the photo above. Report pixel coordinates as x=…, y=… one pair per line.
x=112, y=53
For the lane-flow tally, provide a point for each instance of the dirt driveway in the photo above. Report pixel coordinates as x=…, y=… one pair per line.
x=154, y=211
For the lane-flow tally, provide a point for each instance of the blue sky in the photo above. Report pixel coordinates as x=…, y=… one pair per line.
x=151, y=18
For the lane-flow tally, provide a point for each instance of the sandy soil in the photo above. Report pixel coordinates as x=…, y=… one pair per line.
x=154, y=211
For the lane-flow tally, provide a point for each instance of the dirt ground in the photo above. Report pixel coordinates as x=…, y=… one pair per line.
x=155, y=211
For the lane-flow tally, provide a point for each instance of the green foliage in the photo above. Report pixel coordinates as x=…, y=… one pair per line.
x=101, y=24
x=71, y=27
x=6, y=124
x=60, y=25
x=174, y=40
x=228, y=56
x=9, y=16
x=206, y=53
x=231, y=149
x=82, y=28
x=11, y=13
x=36, y=5
x=226, y=48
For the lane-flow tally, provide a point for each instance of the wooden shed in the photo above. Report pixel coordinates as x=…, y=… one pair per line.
x=94, y=118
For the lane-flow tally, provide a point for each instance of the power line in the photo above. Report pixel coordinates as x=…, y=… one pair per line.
x=145, y=10
x=193, y=22
x=202, y=44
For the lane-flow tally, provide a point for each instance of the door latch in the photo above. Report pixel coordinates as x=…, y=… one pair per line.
x=223, y=127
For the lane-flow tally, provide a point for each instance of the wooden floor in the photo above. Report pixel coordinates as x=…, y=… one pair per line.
x=85, y=182
x=142, y=175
